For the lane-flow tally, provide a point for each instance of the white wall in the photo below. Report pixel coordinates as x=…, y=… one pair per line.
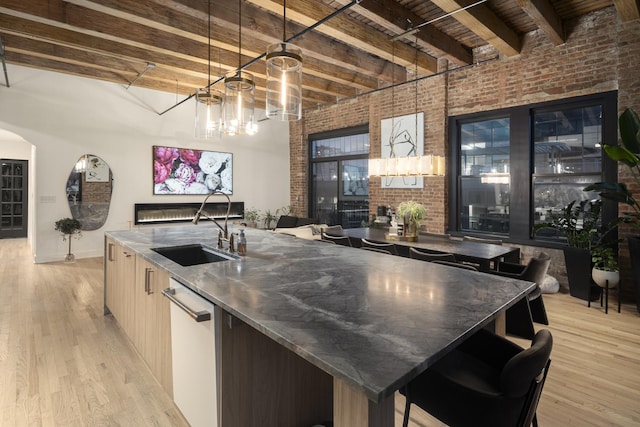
x=65, y=117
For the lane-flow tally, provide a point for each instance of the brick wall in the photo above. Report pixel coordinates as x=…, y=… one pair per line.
x=628, y=61
x=96, y=192
x=601, y=54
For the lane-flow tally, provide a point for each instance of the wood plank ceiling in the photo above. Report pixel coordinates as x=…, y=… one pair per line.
x=163, y=44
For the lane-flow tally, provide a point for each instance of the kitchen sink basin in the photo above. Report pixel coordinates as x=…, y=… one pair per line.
x=194, y=254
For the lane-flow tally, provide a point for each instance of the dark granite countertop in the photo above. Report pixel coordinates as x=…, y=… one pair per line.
x=373, y=320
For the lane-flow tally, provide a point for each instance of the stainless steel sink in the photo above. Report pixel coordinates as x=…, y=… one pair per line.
x=193, y=254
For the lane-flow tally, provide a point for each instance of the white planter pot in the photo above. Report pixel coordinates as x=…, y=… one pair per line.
x=601, y=277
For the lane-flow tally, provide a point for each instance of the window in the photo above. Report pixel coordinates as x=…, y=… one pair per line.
x=511, y=167
x=339, y=181
x=568, y=156
x=484, y=175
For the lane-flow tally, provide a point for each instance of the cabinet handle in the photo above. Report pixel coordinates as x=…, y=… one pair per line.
x=126, y=254
x=147, y=280
x=150, y=288
x=198, y=316
x=110, y=252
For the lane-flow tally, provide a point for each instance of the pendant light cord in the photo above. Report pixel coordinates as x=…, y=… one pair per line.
x=416, y=79
x=239, y=35
x=209, y=47
x=284, y=22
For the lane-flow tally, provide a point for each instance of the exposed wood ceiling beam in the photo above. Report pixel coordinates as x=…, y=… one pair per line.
x=628, y=9
x=263, y=29
x=485, y=24
x=350, y=50
x=546, y=18
x=92, y=30
x=396, y=19
x=353, y=32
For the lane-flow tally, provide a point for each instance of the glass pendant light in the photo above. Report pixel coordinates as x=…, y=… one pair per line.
x=209, y=103
x=208, y=113
x=239, y=103
x=284, y=78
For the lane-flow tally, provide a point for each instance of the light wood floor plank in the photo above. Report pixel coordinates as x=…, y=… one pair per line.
x=63, y=363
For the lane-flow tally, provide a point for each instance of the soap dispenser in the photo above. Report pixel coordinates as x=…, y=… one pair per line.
x=242, y=244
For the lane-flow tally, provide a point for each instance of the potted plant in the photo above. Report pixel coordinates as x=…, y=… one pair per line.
x=69, y=227
x=605, y=267
x=580, y=224
x=411, y=212
x=252, y=216
x=269, y=217
x=628, y=154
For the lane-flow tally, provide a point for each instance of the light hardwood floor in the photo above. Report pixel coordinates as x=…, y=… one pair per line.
x=63, y=363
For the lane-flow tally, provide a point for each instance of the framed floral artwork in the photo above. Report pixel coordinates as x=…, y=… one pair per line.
x=186, y=171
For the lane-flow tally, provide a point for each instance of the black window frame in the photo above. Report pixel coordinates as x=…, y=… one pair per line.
x=335, y=133
x=522, y=163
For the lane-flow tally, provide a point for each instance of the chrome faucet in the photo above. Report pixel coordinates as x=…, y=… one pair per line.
x=223, y=233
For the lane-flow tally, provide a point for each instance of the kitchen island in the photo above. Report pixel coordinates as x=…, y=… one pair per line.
x=370, y=321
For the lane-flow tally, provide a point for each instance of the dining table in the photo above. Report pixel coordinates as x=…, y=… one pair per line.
x=484, y=255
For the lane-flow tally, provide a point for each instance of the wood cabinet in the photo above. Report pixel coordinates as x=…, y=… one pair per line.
x=133, y=295
x=152, y=331
x=120, y=266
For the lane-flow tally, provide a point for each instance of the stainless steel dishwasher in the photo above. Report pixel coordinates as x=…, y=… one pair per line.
x=193, y=355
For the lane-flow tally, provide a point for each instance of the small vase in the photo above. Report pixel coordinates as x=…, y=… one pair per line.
x=413, y=228
x=602, y=276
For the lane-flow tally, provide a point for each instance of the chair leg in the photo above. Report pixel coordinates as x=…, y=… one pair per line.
x=407, y=408
x=538, y=312
x=519, y=321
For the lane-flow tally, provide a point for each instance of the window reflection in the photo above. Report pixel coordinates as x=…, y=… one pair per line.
x=485, y=178
x=568, y=157
x=339, y=178
x=568, y=141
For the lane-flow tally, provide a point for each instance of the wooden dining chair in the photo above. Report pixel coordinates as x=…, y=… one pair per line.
x=430, y=256
x=340, y=240
x=390, y=247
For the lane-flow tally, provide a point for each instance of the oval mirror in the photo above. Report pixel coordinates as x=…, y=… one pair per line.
x=89, y=191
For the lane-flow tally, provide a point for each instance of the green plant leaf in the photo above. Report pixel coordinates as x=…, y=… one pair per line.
x=621, y=154
x=630, y=130
x=613, y=191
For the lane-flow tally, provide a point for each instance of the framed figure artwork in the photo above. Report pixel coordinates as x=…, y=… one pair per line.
x=96, y=170
x=187, y=171
x=402, y=136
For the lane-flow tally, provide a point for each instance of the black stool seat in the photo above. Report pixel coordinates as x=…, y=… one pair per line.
x=487, y=381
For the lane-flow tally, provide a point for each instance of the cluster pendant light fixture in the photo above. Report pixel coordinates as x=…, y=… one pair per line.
x=426, y=165
x=407, y=166
x=209, y=102
x=239, y=106
x=284, y=78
